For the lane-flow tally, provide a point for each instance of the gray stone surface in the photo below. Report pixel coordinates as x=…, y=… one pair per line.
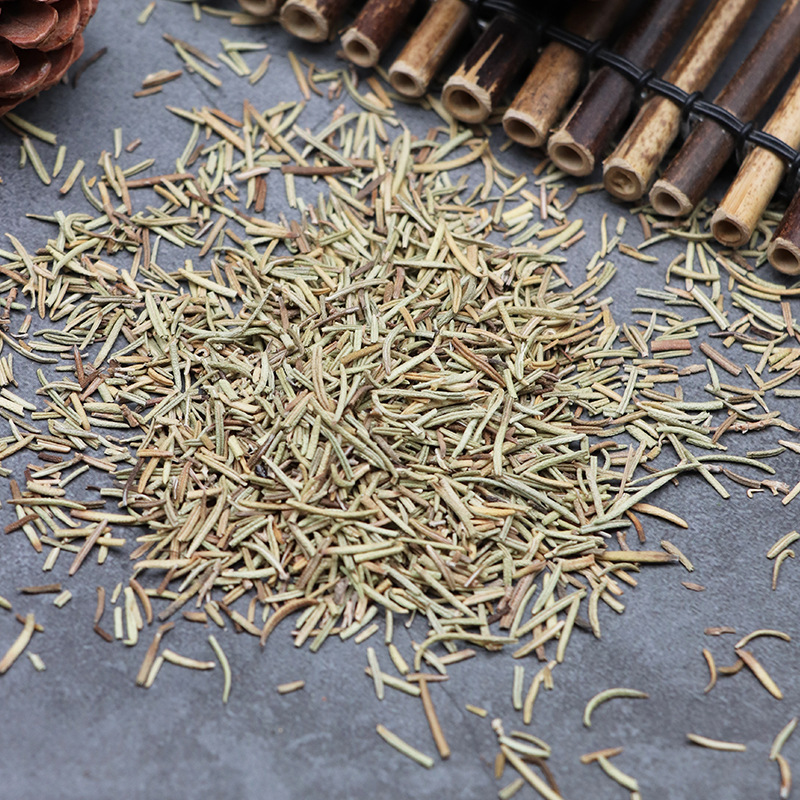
x=81, y=729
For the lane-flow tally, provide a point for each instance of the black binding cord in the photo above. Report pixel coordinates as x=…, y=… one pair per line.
x=644, y=80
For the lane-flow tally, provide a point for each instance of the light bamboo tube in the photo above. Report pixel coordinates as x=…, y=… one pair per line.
x=582, y=137
x=758, y=177
x=260, y=8
x=709, y=146
x=629, y=170
x=557, y=73
x=373, y=30
x=312, y=20
x=429, y=46
x=473, y=90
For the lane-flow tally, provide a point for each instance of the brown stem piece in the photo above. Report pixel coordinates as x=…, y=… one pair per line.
x=473, y=90
x=260, y=8
x=428, y=48
x=557, y=73
x=758, y=177
x=709, y=145
x=628, y=171
x=312, y=20
x=374, y=29
x=604, y=104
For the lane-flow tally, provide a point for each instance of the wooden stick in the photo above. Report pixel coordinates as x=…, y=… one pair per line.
x=312, y=20
x=260, y=8
x=709, y=146
x=428, y=48
x=557, y=73
x=784, y=249
x=373, y=30
x=474, y=88
x=758, y=177
x=628, y=171
x=604, y=104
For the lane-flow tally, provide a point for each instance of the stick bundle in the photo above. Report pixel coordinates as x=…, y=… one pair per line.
x=630, y=168
x=709, y=145
x=555, y=77
x=604, y=104
x=758, y=177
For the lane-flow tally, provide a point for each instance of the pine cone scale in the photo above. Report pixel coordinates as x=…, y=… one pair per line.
x=34, y=68
x=9, y=60
x=26, y=25
x=68, y=24
x=39, y=41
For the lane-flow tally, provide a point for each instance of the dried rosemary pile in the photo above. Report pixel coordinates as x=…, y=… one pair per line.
x=378, y=404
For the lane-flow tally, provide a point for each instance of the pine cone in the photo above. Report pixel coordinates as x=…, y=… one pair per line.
x=39, y=41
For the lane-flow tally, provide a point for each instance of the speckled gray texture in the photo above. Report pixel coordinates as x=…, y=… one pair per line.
x=81, y=729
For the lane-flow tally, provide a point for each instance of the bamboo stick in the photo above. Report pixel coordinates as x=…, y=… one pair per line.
x=628, y=171
x=312, y=20
x=784, y=249
x=473, y=90
x=557, y=73
x=373, y=30
x=428, y=48
x=709, y=145
x=260, y=8
x=758, y=177
x=604, y=104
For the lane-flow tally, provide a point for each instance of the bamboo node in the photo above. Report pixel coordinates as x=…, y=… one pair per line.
x=784, y=256
x=668, y=200
x=569, y=155
x=622, y=180
x=304, y=23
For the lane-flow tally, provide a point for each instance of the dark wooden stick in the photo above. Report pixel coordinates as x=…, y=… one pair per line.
x=557, y=73
x=629, y=170
x=605, y=102
x=428, y=48
x=374, y=29
x=312, y=20
x=473, y=90
x=759, y=176
x=784, y=249
x=709, y=146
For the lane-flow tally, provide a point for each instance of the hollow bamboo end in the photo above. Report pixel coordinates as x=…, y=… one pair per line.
x=466, y=100
x=622, y=180
x=260, y=8
x=729, y=230
x=521, y=128
x=668, y=200
x=569, y=155
x=360, y=49
x=406, y=80
x=784, y=255
x=304, y=22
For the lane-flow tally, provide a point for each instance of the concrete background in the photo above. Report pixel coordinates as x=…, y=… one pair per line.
x=82, y=729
